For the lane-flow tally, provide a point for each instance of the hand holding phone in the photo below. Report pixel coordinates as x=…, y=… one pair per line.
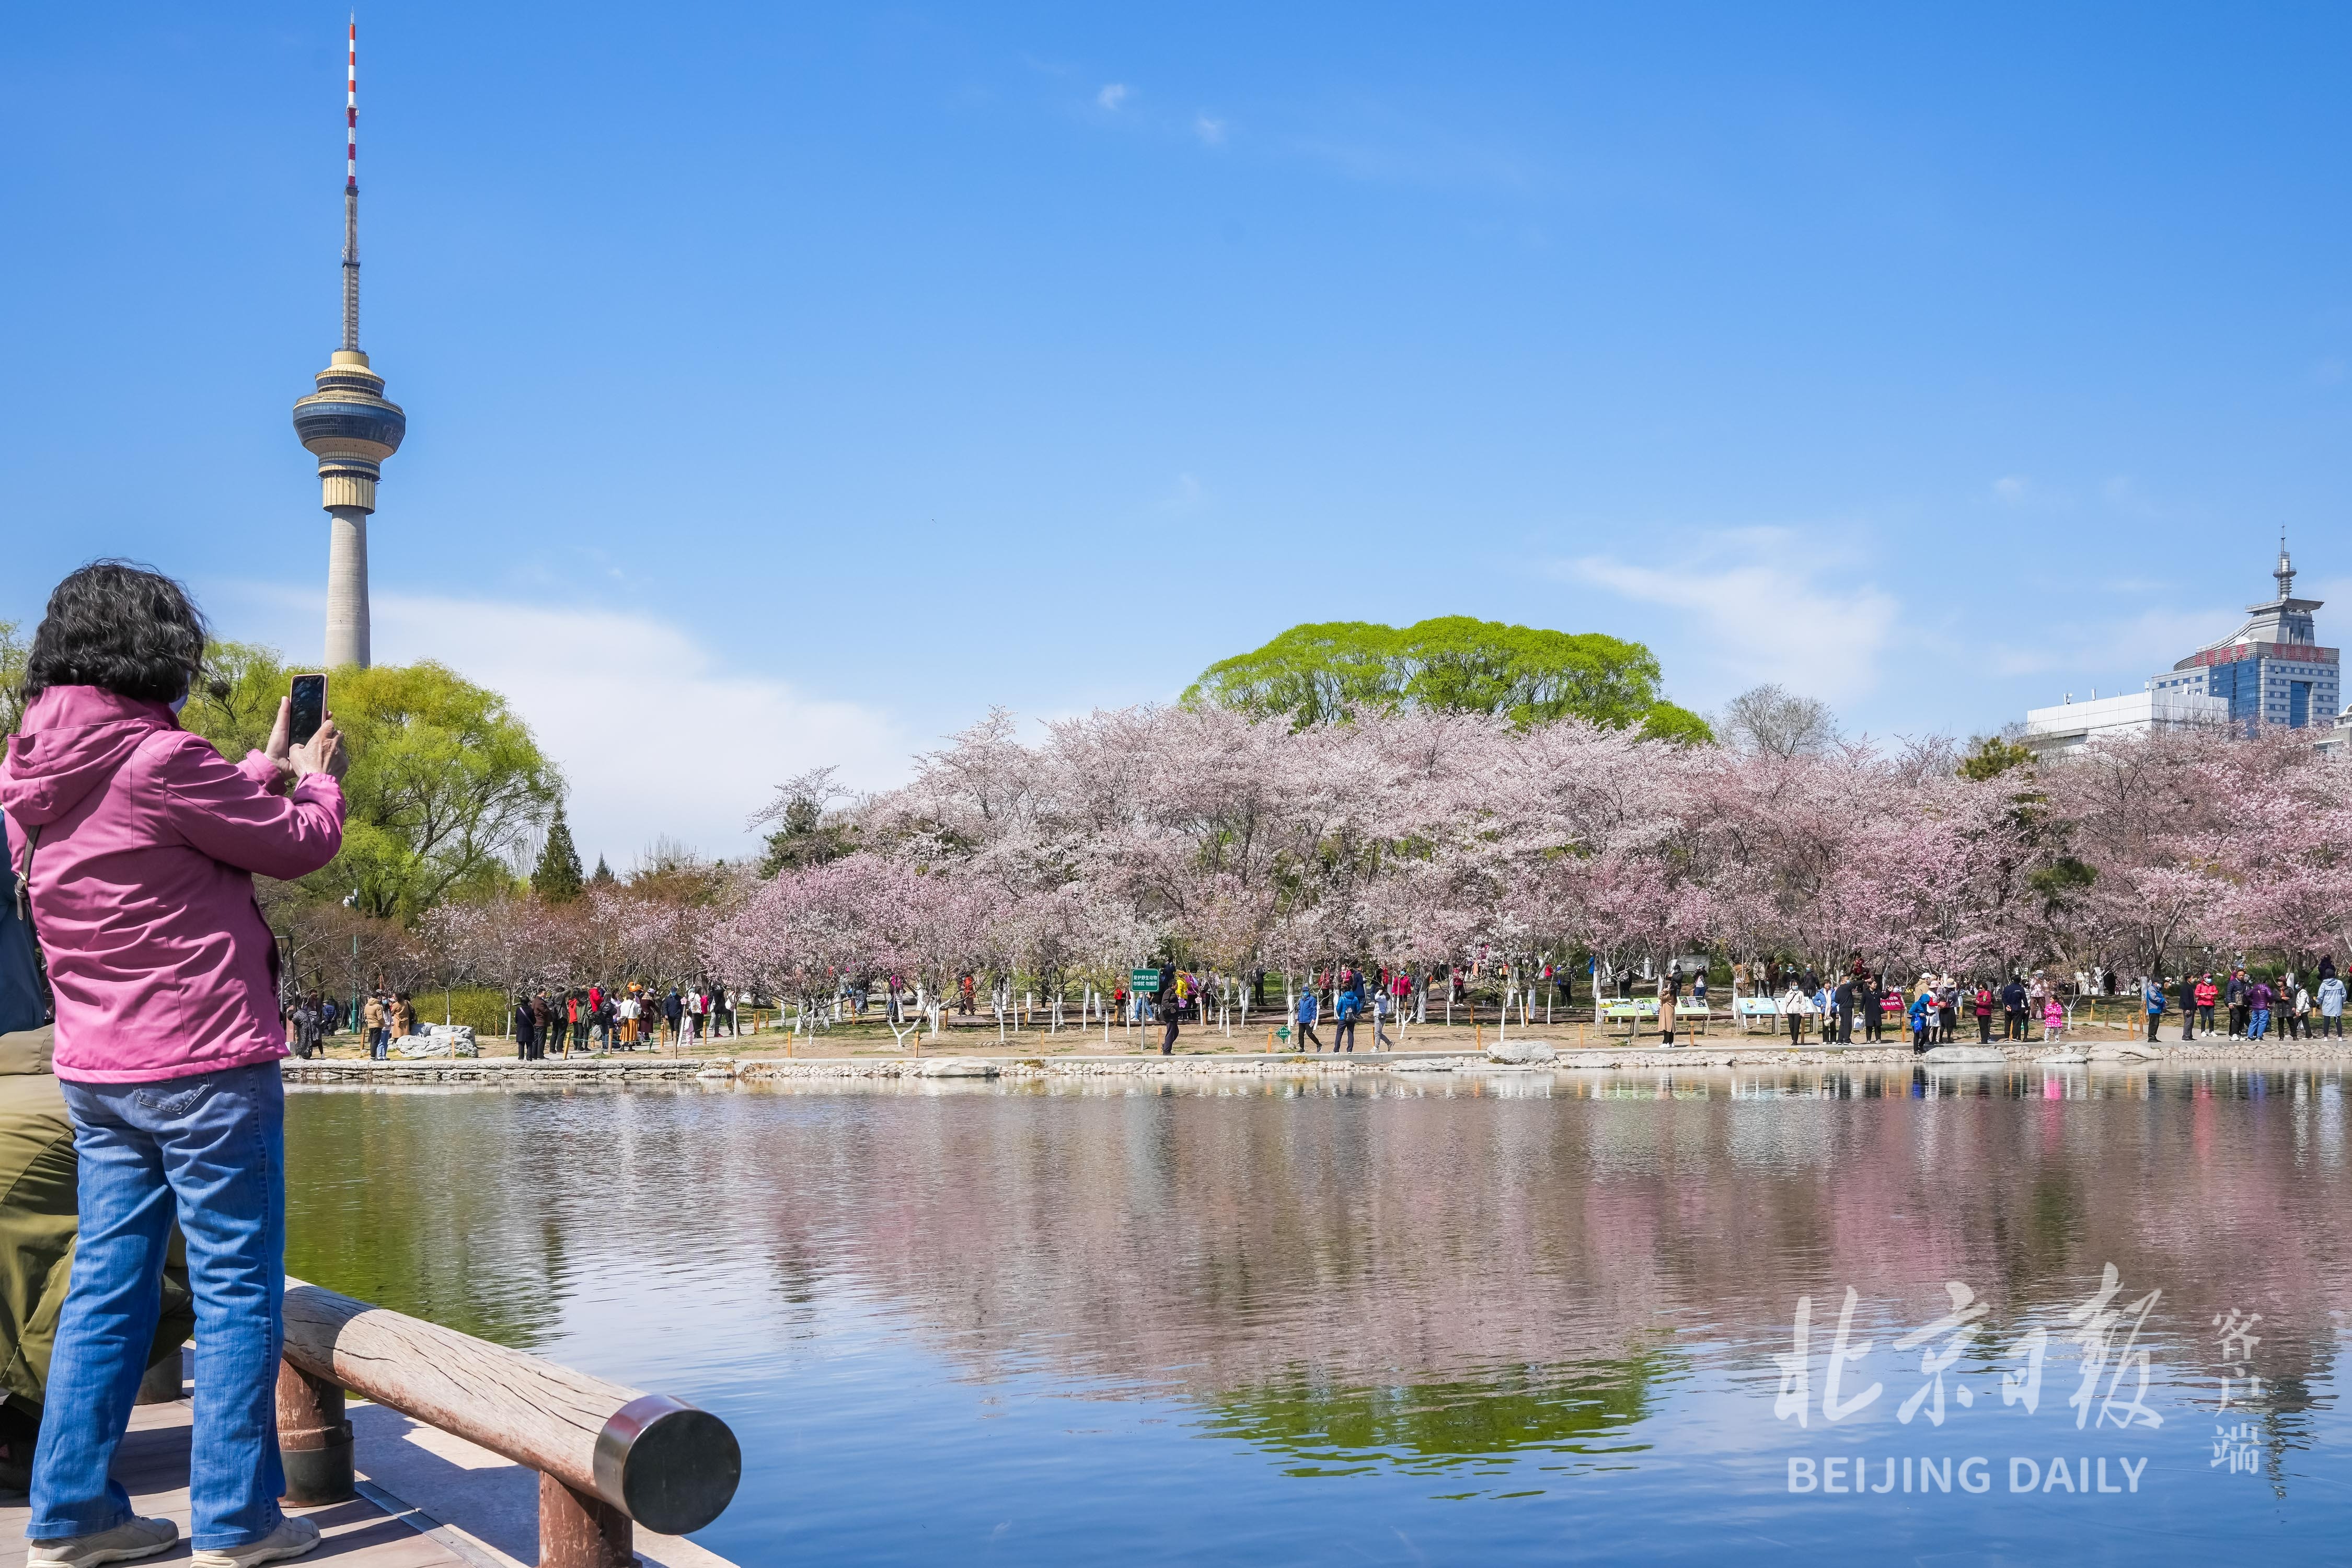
x=308, y=709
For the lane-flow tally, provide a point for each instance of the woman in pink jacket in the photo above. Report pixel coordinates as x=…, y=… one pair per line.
x=138, y=845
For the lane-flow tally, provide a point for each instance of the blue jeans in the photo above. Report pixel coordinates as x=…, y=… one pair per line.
x=2260, y=1025
x=211, y=1151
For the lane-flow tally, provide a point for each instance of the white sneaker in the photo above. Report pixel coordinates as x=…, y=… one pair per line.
x=292, y=1538
x=133, y=1538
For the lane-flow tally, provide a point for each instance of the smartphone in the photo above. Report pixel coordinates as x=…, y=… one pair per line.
x=309, y=708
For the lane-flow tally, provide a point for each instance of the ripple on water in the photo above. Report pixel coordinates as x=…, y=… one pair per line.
x=1339, y=1319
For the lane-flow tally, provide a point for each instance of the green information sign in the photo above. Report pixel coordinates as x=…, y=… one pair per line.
x=1144, y=979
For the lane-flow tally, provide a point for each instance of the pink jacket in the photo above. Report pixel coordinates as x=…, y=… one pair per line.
x=143, y=883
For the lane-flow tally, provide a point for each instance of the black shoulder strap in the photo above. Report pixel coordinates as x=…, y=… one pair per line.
x=25, y=878
x=23, y=900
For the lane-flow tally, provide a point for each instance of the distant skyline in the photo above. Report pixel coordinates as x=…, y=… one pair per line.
x=788, y=387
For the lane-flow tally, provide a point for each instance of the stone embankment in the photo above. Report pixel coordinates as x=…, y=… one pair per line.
x=621, y=1070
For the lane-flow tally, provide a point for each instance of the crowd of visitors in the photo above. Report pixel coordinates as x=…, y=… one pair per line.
x=596, y=1018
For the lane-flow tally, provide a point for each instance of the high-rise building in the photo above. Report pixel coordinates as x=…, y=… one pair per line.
x=2274, y=671
x=347, y=424
x=2271, y=671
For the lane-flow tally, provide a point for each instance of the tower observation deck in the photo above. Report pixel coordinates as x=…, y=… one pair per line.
x=347, y=425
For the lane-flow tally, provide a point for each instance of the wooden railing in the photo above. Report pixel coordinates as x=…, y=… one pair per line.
x=605, y=1455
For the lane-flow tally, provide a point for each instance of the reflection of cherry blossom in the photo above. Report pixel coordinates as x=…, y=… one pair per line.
x=1960, y=1324
x=2098, y=1321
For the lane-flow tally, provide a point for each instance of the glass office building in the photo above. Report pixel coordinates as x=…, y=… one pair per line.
x=2272, y=672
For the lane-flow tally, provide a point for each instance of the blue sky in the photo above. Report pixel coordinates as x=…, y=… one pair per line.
x=789, y=385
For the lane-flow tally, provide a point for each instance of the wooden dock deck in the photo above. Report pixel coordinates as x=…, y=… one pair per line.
x=430, y=1500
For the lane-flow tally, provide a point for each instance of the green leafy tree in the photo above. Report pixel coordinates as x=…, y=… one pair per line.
x=14, y=650
x=603, y=877
x=235, y=698
x=556, y=878
x=445, y=785
x=1672, y=722
x=1331, y=672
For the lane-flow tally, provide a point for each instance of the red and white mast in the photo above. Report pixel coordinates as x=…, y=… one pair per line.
x=352, y=189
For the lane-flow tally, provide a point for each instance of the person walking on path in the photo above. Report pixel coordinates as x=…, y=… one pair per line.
x=371, y=1013
x=134, y=845
x=1981, y=1005
x=523, y=1032
x=2259, y=1000
x=1310, y=1007
x=1164, y=1007
x=1670, y=993
x=2054, y=1017
x=1383, y=1005
x=2330, y=1003
x=2234, y=995
x=2152, y=998
x=1349, y=1004
x=2186, y=991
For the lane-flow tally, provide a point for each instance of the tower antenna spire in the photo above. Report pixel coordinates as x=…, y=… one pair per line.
x=352, y=189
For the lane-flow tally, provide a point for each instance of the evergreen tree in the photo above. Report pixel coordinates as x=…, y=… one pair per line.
x=557, y=877
x=803, y=839
x=603, y=877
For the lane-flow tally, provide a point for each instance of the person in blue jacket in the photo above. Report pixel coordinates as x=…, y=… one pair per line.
x=1347, y=1008
x=1310, y=1007
x=1923, y=1014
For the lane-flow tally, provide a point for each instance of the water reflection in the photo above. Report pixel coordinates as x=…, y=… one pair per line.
x=1431, y=1427
x=1531, y=1280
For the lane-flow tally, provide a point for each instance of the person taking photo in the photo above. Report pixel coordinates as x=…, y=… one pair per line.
x=136, y=845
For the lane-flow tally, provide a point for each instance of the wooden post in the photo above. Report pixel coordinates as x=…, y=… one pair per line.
x=577, y=1529
x=314, y=1440
x=647, y=1456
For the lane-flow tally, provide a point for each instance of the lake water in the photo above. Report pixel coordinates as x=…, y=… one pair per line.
x=1502, y=1317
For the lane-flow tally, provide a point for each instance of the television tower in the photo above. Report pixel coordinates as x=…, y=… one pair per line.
x=347, y=424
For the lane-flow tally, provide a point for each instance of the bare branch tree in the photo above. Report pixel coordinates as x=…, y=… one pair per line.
x=1771, y=720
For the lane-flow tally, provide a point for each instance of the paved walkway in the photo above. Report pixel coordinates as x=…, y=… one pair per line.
x=479, y=1511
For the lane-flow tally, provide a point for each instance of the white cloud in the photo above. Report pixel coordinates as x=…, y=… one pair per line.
x=2148, y=640
x=653, y=734
x=1185, y=495
x=1209, y=129
x=2020, y=493
x=1762, y=604
x=2122, y=493
x=1112, y=95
